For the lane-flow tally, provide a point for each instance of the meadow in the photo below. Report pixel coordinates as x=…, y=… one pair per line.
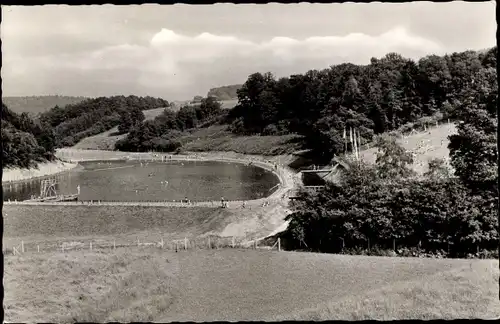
x=150, y=284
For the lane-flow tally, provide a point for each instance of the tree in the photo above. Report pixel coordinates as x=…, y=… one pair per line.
x=473, y=150
x=393, y=162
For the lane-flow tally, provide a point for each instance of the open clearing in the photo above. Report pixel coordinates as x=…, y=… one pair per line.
x=149, y=284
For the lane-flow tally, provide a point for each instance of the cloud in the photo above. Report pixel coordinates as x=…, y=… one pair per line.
x=180, y=66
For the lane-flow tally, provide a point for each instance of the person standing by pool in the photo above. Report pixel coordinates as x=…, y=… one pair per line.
x=222, y=202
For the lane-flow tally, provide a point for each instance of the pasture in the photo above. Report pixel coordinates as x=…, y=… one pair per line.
x=150, y=284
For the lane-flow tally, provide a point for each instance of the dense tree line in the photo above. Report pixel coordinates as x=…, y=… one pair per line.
x=24, y=140
x=443, y=212
x=93, y=116
x=385, y=95
x=162, y=133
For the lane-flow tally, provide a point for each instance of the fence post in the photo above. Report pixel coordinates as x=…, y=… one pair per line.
x=185, y=243
x=38, y=248
x=209, y=245
x=22, y=246
x=161, y=243
x=279, y=244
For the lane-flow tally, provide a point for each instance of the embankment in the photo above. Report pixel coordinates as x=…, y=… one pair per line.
x=42, y=170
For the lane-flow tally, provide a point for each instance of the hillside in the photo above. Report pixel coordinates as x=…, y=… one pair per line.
x=148, y=284
x=94, y=116
x=107, y=139
x=427, y=145
x=38, y=104
x=225, y=93
x=25, y=142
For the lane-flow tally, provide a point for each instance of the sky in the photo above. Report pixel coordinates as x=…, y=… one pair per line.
x=179, y=51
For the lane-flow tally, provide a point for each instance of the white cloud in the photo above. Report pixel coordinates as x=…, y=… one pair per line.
x=178, y=65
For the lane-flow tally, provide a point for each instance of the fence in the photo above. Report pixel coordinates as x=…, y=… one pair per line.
x=199, y=243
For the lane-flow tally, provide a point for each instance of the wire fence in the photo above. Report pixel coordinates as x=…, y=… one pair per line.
x=197, y=243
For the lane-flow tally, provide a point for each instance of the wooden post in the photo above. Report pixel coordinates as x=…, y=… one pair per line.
x=161, y=243
x=114, y=245
x=279, y=244
x=22, y=246
x=209, y=245
x=38, y=248
x=185, y=243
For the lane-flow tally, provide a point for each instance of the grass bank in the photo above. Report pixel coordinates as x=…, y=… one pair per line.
x=42, y=170
x=148, y=284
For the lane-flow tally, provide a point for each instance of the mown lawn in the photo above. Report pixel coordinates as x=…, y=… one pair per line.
x=149, y=284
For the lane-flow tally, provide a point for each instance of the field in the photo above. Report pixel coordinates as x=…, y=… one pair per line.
x=38, y=104
x=149, y=284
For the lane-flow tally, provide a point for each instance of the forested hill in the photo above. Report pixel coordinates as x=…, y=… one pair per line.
x=389, y=93
x=93, y=116
x=39, y=104
x=25, y=141
x=225, y=93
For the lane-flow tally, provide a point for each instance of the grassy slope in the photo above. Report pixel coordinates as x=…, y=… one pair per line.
x=436, y=140
x=218, y=138
x=54, y=225
x=39, y=104
x=149, y=284
x=107, y=140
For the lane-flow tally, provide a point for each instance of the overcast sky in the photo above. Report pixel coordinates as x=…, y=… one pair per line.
x=179, y=51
